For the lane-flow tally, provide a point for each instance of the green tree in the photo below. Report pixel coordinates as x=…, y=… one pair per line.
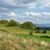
x=44, y=31
x=37, y=30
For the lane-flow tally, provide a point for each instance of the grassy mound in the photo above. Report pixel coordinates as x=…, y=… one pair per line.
x=13, y=23
x=3, y=21
x=28, y=25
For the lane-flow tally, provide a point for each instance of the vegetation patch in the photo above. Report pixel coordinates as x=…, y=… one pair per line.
x=45, y=36
x=11, y=42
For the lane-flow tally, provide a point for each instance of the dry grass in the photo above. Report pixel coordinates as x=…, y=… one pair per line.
x=10, y=42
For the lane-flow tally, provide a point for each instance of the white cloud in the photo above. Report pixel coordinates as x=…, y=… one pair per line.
x=44, y=3
x=47, y=4
x=29, y=5
x=8, y=9
x=2, y=10
x=17, y=4
x=11, y=14
x=37, y=14
x=8, y=2
x=46, y=13
x=32, y=13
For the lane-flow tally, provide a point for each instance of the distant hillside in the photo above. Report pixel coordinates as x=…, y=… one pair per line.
x=28, y=25
x=43, y=25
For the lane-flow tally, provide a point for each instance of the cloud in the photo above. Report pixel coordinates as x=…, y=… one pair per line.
x=23, y=4
x=17, y=4
x=38, y=14
x=3, y=10
x=31, y=13
x=44, y=3
x=11, y=14
x=29, y=5
x=32, y=9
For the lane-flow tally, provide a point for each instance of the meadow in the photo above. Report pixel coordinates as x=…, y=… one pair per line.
x=20, y=39
x=24, y=33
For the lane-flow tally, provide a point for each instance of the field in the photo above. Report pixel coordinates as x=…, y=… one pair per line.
x=23, y=35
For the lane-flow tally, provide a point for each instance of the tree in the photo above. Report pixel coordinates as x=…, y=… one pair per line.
x=44, y=31
x=37, y=30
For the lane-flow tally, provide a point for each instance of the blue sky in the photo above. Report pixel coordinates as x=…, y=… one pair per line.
x=36, y=11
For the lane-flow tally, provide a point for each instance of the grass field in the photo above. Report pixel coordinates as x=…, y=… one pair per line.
x=33, y=37
x=24, y=33
x=20, y=39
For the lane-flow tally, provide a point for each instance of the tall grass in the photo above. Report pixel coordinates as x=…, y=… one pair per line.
x=11, y=42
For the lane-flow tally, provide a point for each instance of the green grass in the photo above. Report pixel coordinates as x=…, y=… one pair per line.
x=24, y=33
x=27, y=36
x=14, y=29
x=21, y=35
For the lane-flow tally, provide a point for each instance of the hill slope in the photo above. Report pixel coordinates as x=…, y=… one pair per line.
x=13, y=23
x=28, y=25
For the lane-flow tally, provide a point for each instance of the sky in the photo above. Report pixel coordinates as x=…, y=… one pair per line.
x=36, y=11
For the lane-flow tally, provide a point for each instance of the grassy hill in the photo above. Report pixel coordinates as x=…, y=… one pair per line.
x=18, y=38
x=3, y=22
x=28, y=25
x=13, y=23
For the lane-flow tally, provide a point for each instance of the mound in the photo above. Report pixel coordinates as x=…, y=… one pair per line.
x=28, y=25
x=3, y=21
x=13, y=23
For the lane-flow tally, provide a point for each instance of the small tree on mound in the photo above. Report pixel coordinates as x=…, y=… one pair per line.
x=28, y=25
x=12, y=23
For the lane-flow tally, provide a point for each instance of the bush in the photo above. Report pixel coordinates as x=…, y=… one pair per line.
x=31, y=32
x=37, y=30
x=45, y=36
x=44, y=31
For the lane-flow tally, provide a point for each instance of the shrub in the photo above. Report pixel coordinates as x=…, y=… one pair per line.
x=45, y=36
x=44, y=31
x=31, y=32
x=37, y=30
